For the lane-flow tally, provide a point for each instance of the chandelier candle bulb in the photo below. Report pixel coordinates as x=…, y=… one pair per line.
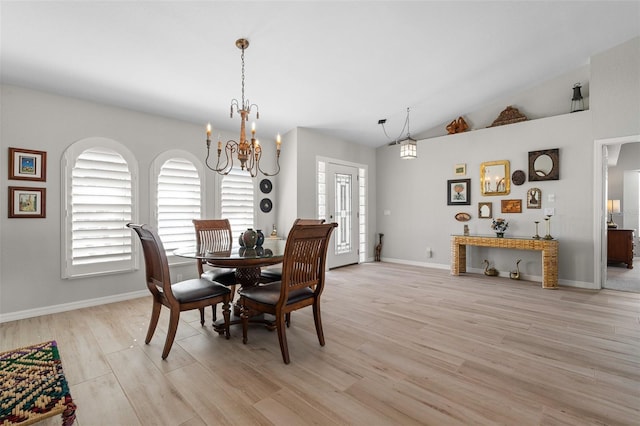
x=208, y=130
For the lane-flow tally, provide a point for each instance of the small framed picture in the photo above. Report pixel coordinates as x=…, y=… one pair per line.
x=460, y=169
x=27, y=164
x=458, y=192
x=534, y=198
x=485, y=210
x=511, y=206
x=27, y=202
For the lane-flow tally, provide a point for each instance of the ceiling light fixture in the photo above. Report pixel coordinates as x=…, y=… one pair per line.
x=248, y=152
x=408, y=145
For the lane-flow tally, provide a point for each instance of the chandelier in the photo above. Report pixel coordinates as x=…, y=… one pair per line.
x=248, y=152
x=408, y=146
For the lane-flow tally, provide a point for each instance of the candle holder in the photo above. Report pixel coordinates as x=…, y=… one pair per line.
x=548, y=221
x=536, y=237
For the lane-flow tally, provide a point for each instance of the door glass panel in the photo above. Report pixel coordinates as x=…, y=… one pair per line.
x=344, y=213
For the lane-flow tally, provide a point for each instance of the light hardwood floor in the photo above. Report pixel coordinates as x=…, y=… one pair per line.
x=404, y=345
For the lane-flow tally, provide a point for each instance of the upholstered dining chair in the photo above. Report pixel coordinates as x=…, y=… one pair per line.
x=303, y=274
x=274, y=273
x=180, y=296
x=214, y=235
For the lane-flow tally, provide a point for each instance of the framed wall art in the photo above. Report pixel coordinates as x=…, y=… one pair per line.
x=534, y=198
x=511, y=206
x=27, y=202
x=460, y=169
x=458, y=192
x=27, y=164
x=485, y=210
x=544, y=165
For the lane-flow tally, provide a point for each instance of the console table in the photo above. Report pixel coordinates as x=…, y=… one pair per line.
x=549, y=249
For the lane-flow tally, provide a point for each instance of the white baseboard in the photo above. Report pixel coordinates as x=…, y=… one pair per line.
x=30, y=313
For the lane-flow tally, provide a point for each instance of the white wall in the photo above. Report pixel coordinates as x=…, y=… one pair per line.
x=415, y=193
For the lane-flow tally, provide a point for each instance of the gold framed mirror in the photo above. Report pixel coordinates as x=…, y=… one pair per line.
x=495, y=178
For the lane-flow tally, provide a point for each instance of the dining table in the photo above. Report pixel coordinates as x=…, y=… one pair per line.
x=248, y=263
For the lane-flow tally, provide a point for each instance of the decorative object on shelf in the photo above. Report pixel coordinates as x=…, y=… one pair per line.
x=27, y=202
x=457, y=126
x=536, y=237
x=408, y=145
x=266, y=205
x=259, y=238
x=265, y=186
x=463, y=217
x=490, y=271
x=548, y=222
x=500, y=226
x=515, y=275
x=458, y=192
x=274, y=232
x=577, y=103
x=378, y=248
x=613, y=206
x=248, y=152
x=534, y=198
x=248, y=238
x=544, y=165
x=511, y=206
x=494, y=178
x=465, y=230
x=485, y=210
x=509, y=115
x=518, y=177
x=460, y=169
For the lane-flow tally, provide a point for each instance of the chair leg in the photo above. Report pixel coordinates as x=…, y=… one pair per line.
x=213, y=310
x=226, y=313
x=174, y=316
x=202, y=316
x=153, y=322
x=287, y=319
x=282, y=337
x=318, y=321
x=244, y=316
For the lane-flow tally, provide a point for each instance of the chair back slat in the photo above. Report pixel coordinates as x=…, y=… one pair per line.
x=155, y=260
x=305, y=258
x=212, y=235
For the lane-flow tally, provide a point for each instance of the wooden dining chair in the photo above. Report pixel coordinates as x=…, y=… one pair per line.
x=214, y=235
x=180, y=296
x=274, y=273
x=303, y=274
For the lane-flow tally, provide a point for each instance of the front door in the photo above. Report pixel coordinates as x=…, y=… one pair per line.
x=342, y=207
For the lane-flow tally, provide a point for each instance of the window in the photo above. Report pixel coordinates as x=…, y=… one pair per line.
x=237, y=200
x=178, y=198
x=99, y=199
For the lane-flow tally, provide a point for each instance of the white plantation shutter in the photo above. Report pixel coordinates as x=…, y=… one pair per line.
x=237, y=200
x=178, y=203
x=99, y=198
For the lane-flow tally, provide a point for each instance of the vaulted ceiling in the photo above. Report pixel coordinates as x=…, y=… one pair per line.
x=335, y=66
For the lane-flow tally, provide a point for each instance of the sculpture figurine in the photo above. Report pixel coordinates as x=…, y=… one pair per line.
x=515, y=275
x=457, y=126
x=378, y=249
x=492, y=272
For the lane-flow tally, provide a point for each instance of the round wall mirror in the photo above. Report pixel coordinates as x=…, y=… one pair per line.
x=543, y=165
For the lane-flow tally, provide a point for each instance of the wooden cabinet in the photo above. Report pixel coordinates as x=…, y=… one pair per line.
x=620, y=246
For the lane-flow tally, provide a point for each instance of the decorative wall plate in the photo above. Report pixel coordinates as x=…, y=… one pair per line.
x=518, y=177
x=463, y=217
x=265, y=186
x=266, y=205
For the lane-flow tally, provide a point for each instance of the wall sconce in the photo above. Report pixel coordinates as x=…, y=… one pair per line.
x=577, y=103
x=613, y=206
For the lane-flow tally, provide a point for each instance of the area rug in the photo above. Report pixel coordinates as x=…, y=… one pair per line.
x=33, y=386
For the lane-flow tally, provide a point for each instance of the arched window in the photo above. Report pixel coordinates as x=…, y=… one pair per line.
x=98, y=200
x=177, y=179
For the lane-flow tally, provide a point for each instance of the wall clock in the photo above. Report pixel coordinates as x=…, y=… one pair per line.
x=265, y=186
x=266, y=205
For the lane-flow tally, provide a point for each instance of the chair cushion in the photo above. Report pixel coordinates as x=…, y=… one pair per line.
x=197, y=289
x=226, y=276
x=270, y=293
